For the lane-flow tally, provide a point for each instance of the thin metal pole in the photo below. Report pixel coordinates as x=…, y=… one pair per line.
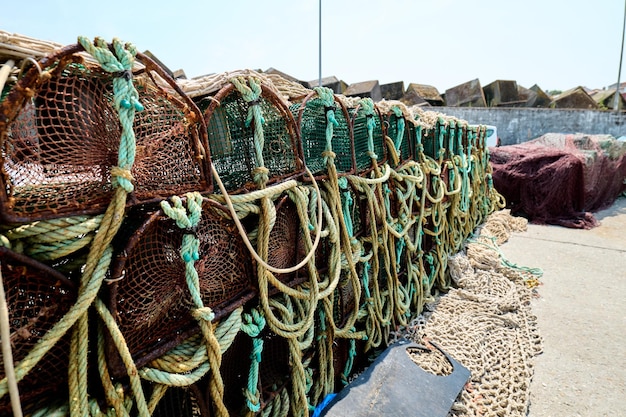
x=320, y=45
x=617, y=101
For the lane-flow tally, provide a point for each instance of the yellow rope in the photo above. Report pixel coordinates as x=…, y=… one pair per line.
x=228, y=199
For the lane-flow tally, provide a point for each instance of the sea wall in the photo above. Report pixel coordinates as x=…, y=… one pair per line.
x=517, y=125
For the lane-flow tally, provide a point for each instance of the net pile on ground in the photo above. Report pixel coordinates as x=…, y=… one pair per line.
x=486, y=324
x=560, y=179
x=331, y=225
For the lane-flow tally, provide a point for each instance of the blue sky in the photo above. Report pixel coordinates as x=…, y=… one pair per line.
x=557, y=44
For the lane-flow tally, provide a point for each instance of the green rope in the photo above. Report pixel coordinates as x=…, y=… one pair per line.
x=345, y=374
x=126, y=97
x=397, y=111
x=451, y=139
x=443, y=130
x=252, y=324
x=367, y=104
x=419, y=147
x=347, y=205
x=188, y=219
x=400, y=245
x=251, y=93
x=327, y=97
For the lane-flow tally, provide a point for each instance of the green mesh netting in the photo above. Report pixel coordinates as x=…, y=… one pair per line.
x=361, y=151
x=393, y=125
x=313, y=133
x=232, y=142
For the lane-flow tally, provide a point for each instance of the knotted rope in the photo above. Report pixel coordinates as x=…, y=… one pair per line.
x=187, y=219
x=367, y=106
x=252, y=324
x=397, y=111
x=250, y=90
x=327, y=97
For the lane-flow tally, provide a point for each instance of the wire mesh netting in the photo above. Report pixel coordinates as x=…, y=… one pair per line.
x=37, y=298
x=311, y=116
x=402, y=134
x=365, y=149
x=234, y=138
x=286, y=243
x=179, y=402
x=273, y=371
x=234, y=370
x=150, y=296
x=60, y=136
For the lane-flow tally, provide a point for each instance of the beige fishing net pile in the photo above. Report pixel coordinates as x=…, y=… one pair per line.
x=486, y=324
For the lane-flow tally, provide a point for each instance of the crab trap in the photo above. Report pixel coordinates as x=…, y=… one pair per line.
x=325, y=130
x=369, y=139
x=252, y=135
x=149, y=293
x=37, y=298
x=60, y=131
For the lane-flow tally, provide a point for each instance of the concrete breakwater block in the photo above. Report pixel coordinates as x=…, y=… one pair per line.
x=392, y=91
x=606, y=99
x=331, y=82
x=576, y=98
x=394, y=385
x=369, y=89
x=533, y=96
x=417, y=94
x=502, y=93
x=469, y=94
x=542, y=99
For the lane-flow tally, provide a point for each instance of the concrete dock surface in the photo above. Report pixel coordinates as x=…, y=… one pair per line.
x=581, y=313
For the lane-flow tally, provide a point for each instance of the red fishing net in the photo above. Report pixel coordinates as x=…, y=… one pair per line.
x=560, y=179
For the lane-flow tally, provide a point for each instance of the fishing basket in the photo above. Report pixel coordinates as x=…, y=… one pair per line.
x=344, y=297
x=313, y=116
x=402, y=134
x=149, y=294
x=369, y=139
x=60, y=136
x=464, y=144
x=234, y=371
x=251, y=136
x=286, y=243
x=274, y=371
x=435, y=140
x=180, y=402
x=37, y=298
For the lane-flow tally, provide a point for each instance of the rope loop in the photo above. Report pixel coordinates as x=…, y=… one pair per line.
x=253, y=323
